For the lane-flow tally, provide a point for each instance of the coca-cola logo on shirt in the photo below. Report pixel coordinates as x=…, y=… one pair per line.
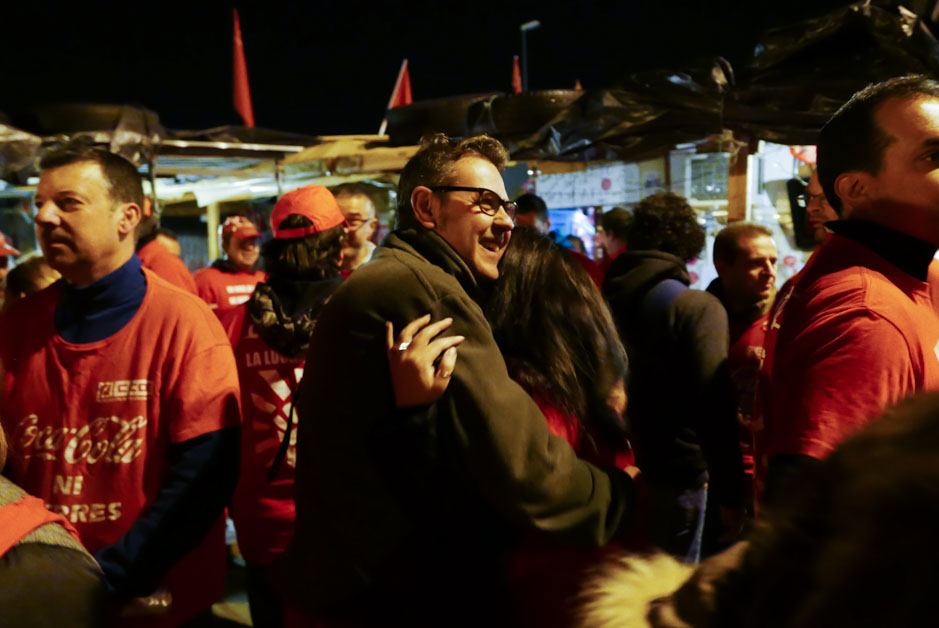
x=108, y=439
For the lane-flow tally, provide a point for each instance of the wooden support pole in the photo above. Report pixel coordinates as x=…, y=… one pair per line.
x=212, y=212
x=737, y=186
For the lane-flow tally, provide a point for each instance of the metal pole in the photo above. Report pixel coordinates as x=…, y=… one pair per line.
x=524, y=28
x=524, y=63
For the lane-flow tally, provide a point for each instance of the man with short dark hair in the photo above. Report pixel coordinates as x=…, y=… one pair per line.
x=818, y=210
x=231, y=279
x=745, y=259
x=532, y=212
x=613, y=226
x=409, y=518
x=158, y=251
x=359, y=210
x=122, y=401
x=681, y=401
x=859, y=331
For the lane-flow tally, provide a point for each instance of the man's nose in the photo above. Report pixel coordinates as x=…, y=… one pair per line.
x=503, y=221
x=47, y=213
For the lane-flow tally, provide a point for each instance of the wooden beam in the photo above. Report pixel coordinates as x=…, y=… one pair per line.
x=737, y=185
x=212, y=212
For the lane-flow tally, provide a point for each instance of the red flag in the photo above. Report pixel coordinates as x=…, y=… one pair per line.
x=401, y=95
x=516, y=76
x=242, y=91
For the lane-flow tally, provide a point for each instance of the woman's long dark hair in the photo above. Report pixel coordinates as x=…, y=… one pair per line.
x=555, y=330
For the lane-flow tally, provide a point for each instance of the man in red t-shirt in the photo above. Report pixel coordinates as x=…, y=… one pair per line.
x=121, y=403
x=231, y=279
x=159, y=252
x=859, y=331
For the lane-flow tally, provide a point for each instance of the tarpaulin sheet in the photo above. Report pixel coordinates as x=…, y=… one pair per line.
x=797, y=76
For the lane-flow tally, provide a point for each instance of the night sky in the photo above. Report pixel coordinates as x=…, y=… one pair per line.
x=328, y=68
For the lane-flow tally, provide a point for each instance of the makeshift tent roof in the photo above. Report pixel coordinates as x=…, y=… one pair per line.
x=797, y=76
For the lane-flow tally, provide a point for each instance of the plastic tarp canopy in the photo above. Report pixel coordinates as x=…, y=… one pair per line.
x=797, y=76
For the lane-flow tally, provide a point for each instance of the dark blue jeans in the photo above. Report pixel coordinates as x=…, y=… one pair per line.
x=677, y=518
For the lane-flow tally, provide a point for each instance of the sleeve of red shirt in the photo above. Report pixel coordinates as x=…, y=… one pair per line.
x=203, y=394
x=204, y=287
x=839, y=373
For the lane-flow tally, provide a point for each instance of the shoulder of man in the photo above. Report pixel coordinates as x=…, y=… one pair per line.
x=403, y=273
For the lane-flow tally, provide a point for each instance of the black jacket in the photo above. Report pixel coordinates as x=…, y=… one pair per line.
x=408, y=518
x=681, y=401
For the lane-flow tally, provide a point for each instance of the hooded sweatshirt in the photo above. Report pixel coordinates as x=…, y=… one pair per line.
x=681, y=403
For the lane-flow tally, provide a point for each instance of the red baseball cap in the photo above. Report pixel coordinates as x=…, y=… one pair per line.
x=311, y=201
x=5, y=247
x=240, y=227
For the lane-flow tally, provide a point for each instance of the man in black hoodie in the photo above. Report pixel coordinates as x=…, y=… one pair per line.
x=681, y=402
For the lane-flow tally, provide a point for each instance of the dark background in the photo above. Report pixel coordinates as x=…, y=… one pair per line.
x=329, y=67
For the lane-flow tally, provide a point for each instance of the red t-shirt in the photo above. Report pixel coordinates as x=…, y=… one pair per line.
x=855, y=336
x=225, y=291
x=154, y=256
x=89, y=424
x=263, y=511
x=745, y=360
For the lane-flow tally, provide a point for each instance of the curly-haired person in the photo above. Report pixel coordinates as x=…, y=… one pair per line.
x=681, y=400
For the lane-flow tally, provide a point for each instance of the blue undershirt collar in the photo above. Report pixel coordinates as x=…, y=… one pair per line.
x=102, y=308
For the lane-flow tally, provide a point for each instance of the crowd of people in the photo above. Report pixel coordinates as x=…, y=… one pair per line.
x=473, y=423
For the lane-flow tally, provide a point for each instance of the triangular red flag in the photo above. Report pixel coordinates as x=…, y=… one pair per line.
x=401, y=95
x=242, y=92
x=516, y=76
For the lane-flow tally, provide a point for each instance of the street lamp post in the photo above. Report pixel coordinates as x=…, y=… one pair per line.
x=524, y=28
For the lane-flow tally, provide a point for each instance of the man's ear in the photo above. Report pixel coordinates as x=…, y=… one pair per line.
x=129, y=215
x=853, y=188
x=422, y=198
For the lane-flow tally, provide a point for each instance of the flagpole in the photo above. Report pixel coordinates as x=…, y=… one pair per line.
x=394, y=96
x=524, y=28
x=242, y=89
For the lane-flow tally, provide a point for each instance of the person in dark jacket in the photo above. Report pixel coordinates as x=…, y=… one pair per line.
x=681, y=402
x=855, y=546
x=410, y=517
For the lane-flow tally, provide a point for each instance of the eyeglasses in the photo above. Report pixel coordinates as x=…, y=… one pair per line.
x=489, y=201
x=354, y=224
x=805, y=199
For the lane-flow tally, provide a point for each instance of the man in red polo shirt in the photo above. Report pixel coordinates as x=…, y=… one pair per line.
x=859, y=331
x=231, y=279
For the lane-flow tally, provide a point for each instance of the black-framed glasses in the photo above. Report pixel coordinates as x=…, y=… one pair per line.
x=489, y=201
x=805, y=199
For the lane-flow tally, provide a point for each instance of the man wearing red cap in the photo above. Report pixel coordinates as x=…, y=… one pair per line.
x=6, y=252
x=230, y=280
x=270, y=335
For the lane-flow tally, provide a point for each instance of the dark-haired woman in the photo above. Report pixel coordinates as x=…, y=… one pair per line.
x=560, y=344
